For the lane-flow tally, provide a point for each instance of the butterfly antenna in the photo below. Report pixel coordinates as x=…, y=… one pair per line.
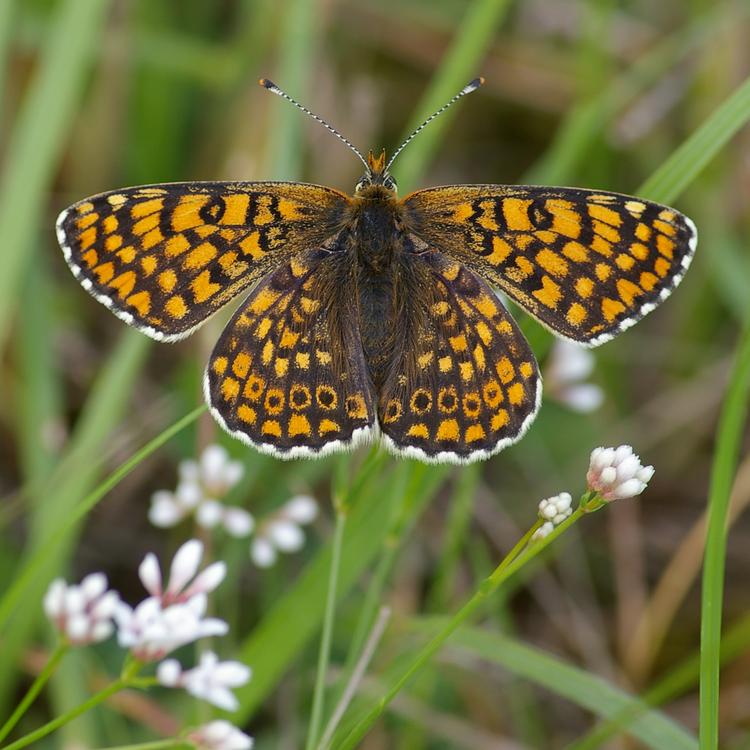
x=271, y=86
x=471, y=86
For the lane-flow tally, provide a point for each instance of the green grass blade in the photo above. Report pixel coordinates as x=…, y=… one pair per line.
x=572, y=683
x=38, y=137
x=282, y=633
x=728, y=438
x=458, y=67
x=589, y=119
x=684, y=165
x=297, y=40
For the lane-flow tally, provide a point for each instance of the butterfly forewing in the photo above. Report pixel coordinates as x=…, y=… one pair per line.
x=166, y=257
x=587, y=264
x=469, y=385
x=288, y=374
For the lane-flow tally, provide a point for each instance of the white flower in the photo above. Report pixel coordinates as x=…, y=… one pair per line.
x=567, y=366
x=211, y=680
x=301, y=509
x=282, y=532
x=183, y=581
x=220, y=735
x=151, y=631
x=544, y=530
x=82, y=613
x=556, y=509
x=262, y=552
x=617, y=473
x=202, y=486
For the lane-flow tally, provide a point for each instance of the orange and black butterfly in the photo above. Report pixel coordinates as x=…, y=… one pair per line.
x=370, y=315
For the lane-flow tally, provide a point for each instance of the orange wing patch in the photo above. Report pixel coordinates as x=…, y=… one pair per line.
x=166, y=257
x=586, y=264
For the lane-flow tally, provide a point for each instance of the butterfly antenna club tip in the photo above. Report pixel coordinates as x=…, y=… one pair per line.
x=274, y=89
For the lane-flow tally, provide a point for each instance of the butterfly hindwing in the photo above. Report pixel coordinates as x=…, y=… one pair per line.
x=288, y=374
x=467, y=384
x=587, y=264
x=164, y=258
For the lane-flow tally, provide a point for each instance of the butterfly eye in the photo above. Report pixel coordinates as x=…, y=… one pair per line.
x=362, y=184
x=390, y=183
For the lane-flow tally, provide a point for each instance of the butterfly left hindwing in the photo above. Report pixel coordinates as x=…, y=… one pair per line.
x=288, y=374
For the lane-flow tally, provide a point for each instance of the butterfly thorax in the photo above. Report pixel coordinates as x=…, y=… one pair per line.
x=377, y=252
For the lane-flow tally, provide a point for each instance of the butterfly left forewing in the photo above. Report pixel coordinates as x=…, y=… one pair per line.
x=288, y=374
x=467, y=384
x=587, y=264
x=164, y=258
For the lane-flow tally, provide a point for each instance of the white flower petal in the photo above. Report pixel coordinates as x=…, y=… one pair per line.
x=209, y=513
x=302, y=509
x=168, y=673
x=583, y=397
x=262, y=552
x=189, y=495
x=184, y=565
x=238, y=522
x=93, y=586
x=286, y=535
x=54, y=598
x=189, y=471
x=164, y=511
x=207, y=580
x=150, y=574
x=213, y=460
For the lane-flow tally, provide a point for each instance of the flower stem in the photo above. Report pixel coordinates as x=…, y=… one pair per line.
x=511, y=563
x=49, y=668
x=325, y=640
x=173, y=743
x=68, y=716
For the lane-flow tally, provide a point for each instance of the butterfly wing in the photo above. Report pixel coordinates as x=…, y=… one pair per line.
x=288, y=374
x=587, y=264
x=465, y=383
x=164, y=258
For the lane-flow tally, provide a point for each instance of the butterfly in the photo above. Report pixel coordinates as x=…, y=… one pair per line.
x=371, y=315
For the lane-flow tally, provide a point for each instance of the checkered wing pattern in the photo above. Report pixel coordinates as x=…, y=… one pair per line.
x=587, y=264
x=288, y=374
x=466, y=384
x=166, y=257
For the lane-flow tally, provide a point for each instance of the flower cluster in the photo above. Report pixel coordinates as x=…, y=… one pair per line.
x=565, y=372
x=82, y=613
x=201, y=487
x=173, y=615
x=553, y=511
x=220, y=735
x=282, y=532
x=617, y=473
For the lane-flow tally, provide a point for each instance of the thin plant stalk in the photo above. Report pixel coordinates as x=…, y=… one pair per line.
x=49, y=669
x=731, y=427
x=521, y=553
x=325, y=640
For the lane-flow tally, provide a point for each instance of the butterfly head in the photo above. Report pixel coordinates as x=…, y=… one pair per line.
x=376, y=174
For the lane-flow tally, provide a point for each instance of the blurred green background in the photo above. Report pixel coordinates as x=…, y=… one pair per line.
x=98, y=95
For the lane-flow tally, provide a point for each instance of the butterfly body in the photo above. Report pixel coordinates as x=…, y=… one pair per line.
x=370, y=315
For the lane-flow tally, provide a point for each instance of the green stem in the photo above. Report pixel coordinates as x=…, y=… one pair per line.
x=68, y=716
x=11, y=598
x=173, y=743
x=35, y=688
x=521, y=553
x=731, y=426
x=325, y=640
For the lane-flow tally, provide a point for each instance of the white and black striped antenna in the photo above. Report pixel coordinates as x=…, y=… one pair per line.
x=271, y=86
x=471, y=86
